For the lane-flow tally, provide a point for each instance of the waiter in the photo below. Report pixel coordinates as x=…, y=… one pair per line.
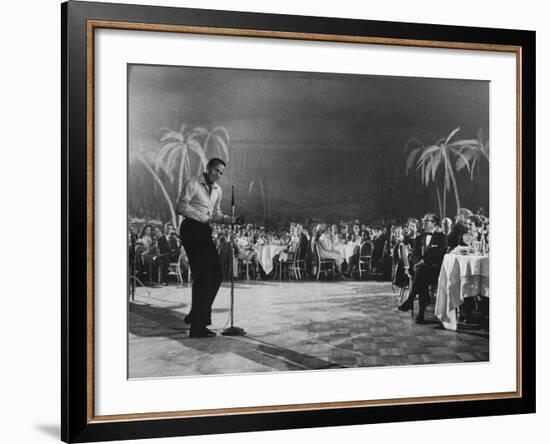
x=199, y=203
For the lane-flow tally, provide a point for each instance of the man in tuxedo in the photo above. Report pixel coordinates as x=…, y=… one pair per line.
x=430, y=247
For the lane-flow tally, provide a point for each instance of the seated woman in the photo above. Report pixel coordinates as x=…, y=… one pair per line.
x=355, y=238
x=327, y=241
x=411, y=237
x=455, y=237
x=471, y=238
x=400, y=255
x=244, y=250
x=355, y=235
x=474, y=226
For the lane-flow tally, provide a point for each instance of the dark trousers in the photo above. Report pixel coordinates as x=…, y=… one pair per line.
x=424, y=276
x=206, y=270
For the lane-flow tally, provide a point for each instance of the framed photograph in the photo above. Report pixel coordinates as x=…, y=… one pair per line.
x=275, y=222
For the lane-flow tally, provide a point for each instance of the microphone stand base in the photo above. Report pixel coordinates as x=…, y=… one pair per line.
x=233, y=331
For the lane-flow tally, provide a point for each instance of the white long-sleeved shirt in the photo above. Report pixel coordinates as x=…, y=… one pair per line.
x=200, y=203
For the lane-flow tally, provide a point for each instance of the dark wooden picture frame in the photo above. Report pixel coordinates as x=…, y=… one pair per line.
x=79, y=21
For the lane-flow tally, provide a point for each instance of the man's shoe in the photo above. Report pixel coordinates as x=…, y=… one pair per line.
x=202, y=333
x=405, y=306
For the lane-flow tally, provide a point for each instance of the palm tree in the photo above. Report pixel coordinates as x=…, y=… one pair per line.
x=437, y=163
x=176, y=148
x=173, y=156
x=474, y=154
x=146, y=160
x=181, y=154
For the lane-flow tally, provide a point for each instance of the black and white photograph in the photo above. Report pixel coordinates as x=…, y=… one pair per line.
x=278, y=221
x=283, y=221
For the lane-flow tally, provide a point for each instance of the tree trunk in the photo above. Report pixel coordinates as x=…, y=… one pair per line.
x=262, y=191
x=444, y=201
x=456, y=191
x=438, y=194
x=180, y=176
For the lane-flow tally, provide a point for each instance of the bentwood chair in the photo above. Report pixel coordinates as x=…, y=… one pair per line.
x=300, y=262
x=365, y=260
x=324, y=266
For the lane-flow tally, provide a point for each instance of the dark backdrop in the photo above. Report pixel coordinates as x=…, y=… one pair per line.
x=318, y=144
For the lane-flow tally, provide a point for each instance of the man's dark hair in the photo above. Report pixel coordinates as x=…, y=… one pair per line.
x=433, y=217
x=215, y=161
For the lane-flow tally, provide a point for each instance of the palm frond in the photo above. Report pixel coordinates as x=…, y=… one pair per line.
x=198, y=131
x=413, y=141
x=411, y=158
x=197, y=149
x=172, y=135
x=451, y=134
x=427, y=172
x=166, y=147
x=422, y=168
x=428, y=152
x=222, y=130
x=464, y=144
x=223, y=147
x=462, y=158
x=172, y=160
x=435, y=162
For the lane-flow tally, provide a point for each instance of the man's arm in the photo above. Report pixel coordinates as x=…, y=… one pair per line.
x=217, y=216
x=183, y=206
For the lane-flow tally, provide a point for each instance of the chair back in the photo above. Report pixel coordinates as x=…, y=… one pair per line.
x=366, y=249
x=298, y=252
x=316, y=252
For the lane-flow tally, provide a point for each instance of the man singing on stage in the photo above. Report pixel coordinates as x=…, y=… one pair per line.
x=200, y=203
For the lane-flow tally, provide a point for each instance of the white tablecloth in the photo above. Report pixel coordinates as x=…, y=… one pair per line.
x=347, y=250
x=460, y=277
x=266, y=253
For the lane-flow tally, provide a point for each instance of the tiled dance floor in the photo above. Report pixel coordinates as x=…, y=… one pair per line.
x=291, y=326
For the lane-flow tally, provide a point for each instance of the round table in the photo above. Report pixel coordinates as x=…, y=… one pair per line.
x=266, y=253
x=347, y=250
x=461, y=276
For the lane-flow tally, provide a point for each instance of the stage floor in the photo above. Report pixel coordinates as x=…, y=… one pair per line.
x=291, y=326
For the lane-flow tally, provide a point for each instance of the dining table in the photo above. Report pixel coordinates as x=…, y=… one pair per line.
x=461, y=276
x=347, y=250
x=266, y=253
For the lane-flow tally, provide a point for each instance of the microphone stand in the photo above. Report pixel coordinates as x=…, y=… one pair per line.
x=232, y=330
x=134, y=280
